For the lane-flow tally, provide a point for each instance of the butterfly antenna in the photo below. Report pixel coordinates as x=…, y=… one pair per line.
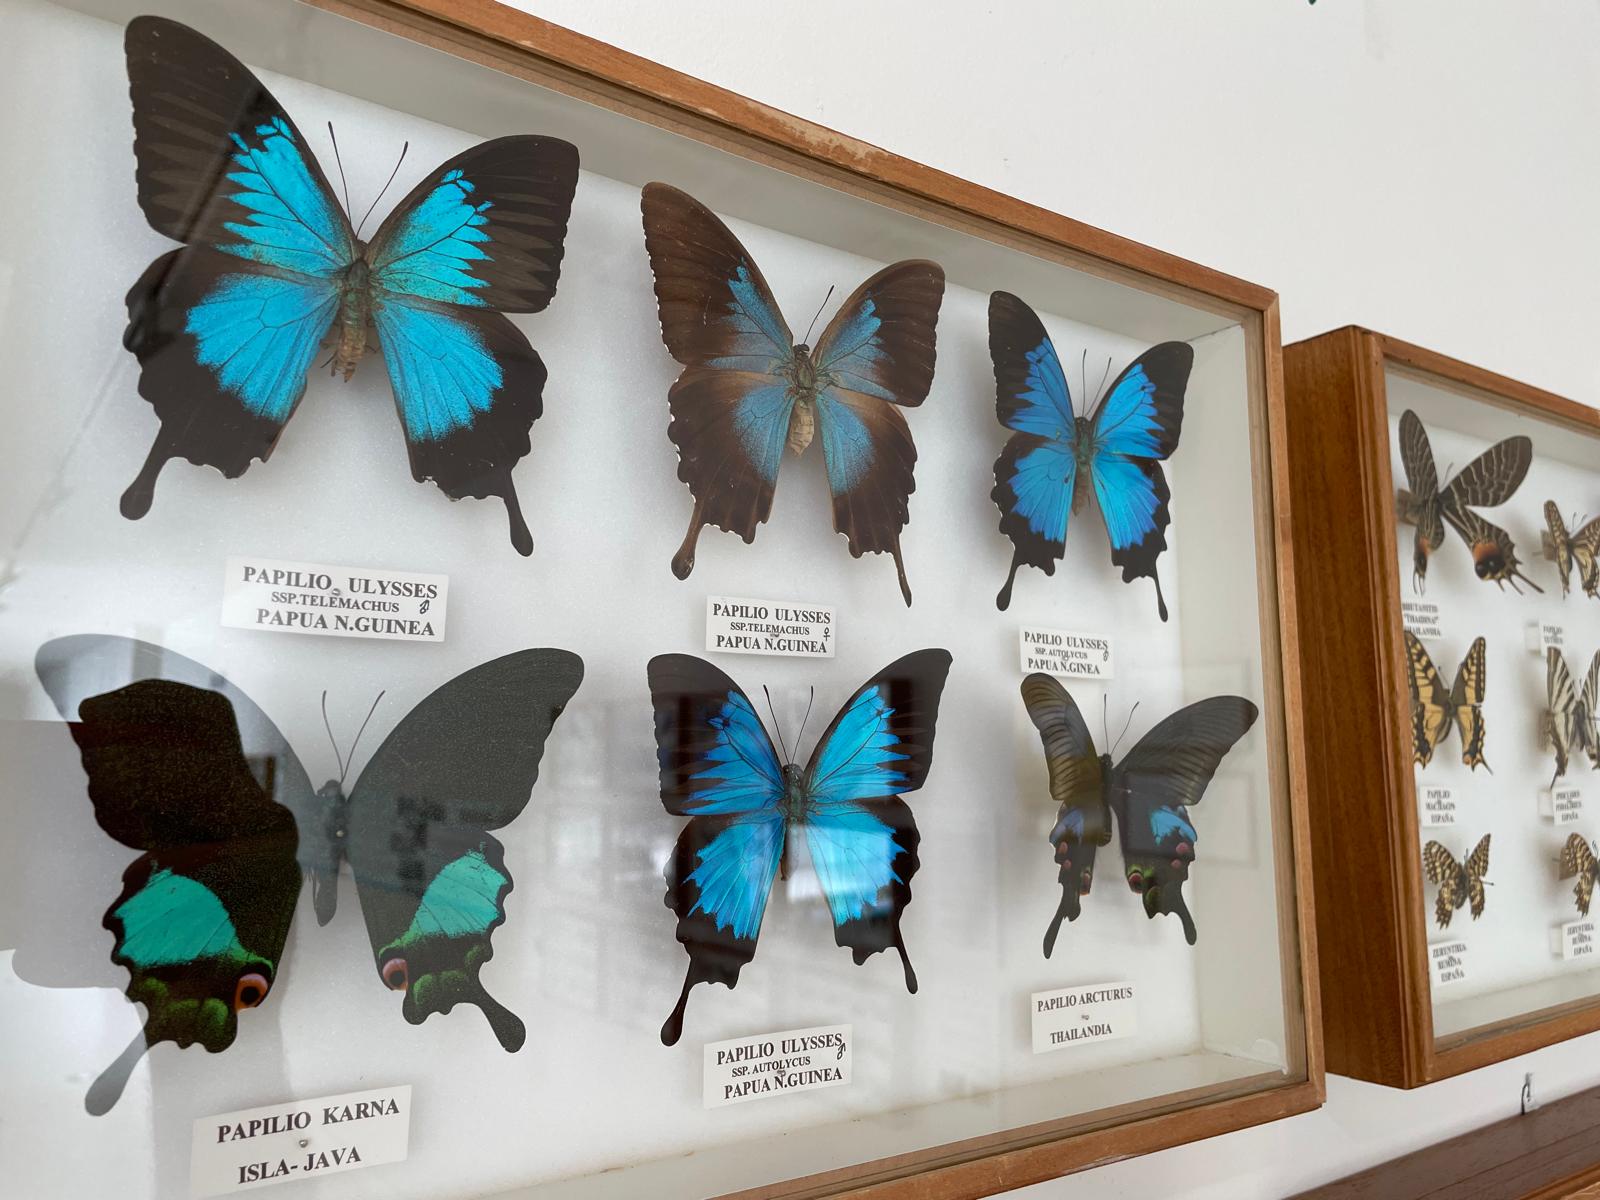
x=800, y=737
x=1083, y=386
x=343, y=183
x=776, y=728
x=385, y=188
x=1103, y=378
x=1125, y=725
x=337, y=757
x=357, y=741
x=820, y=307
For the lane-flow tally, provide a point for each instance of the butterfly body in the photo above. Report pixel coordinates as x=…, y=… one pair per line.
x=744, y=804
x=185, y=768
x=1057, y=458
x=271, y=271
x=1147, y=795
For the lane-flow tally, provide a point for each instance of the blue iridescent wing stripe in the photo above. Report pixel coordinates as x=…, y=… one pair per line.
x=862, y=838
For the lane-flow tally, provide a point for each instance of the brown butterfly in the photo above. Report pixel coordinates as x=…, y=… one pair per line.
x=1458, y=882
x=1434, y=706
x=1486, y=481
x=748, y=390
x=1578, y=859
x=1581, y=548
x=1570, y=723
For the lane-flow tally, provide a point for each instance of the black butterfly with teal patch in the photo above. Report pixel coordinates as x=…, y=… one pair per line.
x=1150, y=792
x=720, y=769
x=183, y=766
x=226, y=328
x=1055, y=458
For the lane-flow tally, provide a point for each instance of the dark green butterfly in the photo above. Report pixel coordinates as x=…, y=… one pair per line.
x=183, y=766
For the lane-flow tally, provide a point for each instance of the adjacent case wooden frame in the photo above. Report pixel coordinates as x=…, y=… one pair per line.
x=1371, y=916
x=522, y=46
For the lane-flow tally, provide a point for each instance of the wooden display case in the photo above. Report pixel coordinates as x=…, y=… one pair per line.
x=1383, y=1018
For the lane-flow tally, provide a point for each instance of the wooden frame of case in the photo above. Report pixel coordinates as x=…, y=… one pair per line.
x=520, y=45
x=1372, y=922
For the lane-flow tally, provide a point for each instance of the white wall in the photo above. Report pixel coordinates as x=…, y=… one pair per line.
x=1429, y=169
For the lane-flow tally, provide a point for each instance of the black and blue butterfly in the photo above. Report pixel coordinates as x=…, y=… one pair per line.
x=748, y=390
x=1150, y=792
x=1054, y=457
x=720, y=769
x=187, y=769
x=226, y=328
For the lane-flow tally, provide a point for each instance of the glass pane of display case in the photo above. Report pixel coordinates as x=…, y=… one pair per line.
x=367, y=765
x=1498, y=579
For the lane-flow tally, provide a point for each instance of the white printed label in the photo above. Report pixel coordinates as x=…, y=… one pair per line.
x=1421, y=617
x=1076, y=1016
x=254, y=1147
x=783, y=627
x=1545, y=635
x=1449, y=962
x=1070, y=655
x=776, y=1064
x=1562, y=805
x=360, y=602
x=1438, y=805
x=1573, y=940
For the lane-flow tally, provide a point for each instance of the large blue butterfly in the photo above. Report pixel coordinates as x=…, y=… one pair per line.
x=748, y=390
x=1054, y=457
x=719, y=768
x=226, y=328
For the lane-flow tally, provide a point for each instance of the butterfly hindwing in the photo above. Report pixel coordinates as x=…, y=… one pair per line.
x=431, y=878
x=861, y=835
x=181, y=765
x=877, y=352
x=1152, y=789
x=1077, y=785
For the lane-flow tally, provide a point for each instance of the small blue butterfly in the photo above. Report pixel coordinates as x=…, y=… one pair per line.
x=720, y=769
x=1054, y=457
x=226, y=327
